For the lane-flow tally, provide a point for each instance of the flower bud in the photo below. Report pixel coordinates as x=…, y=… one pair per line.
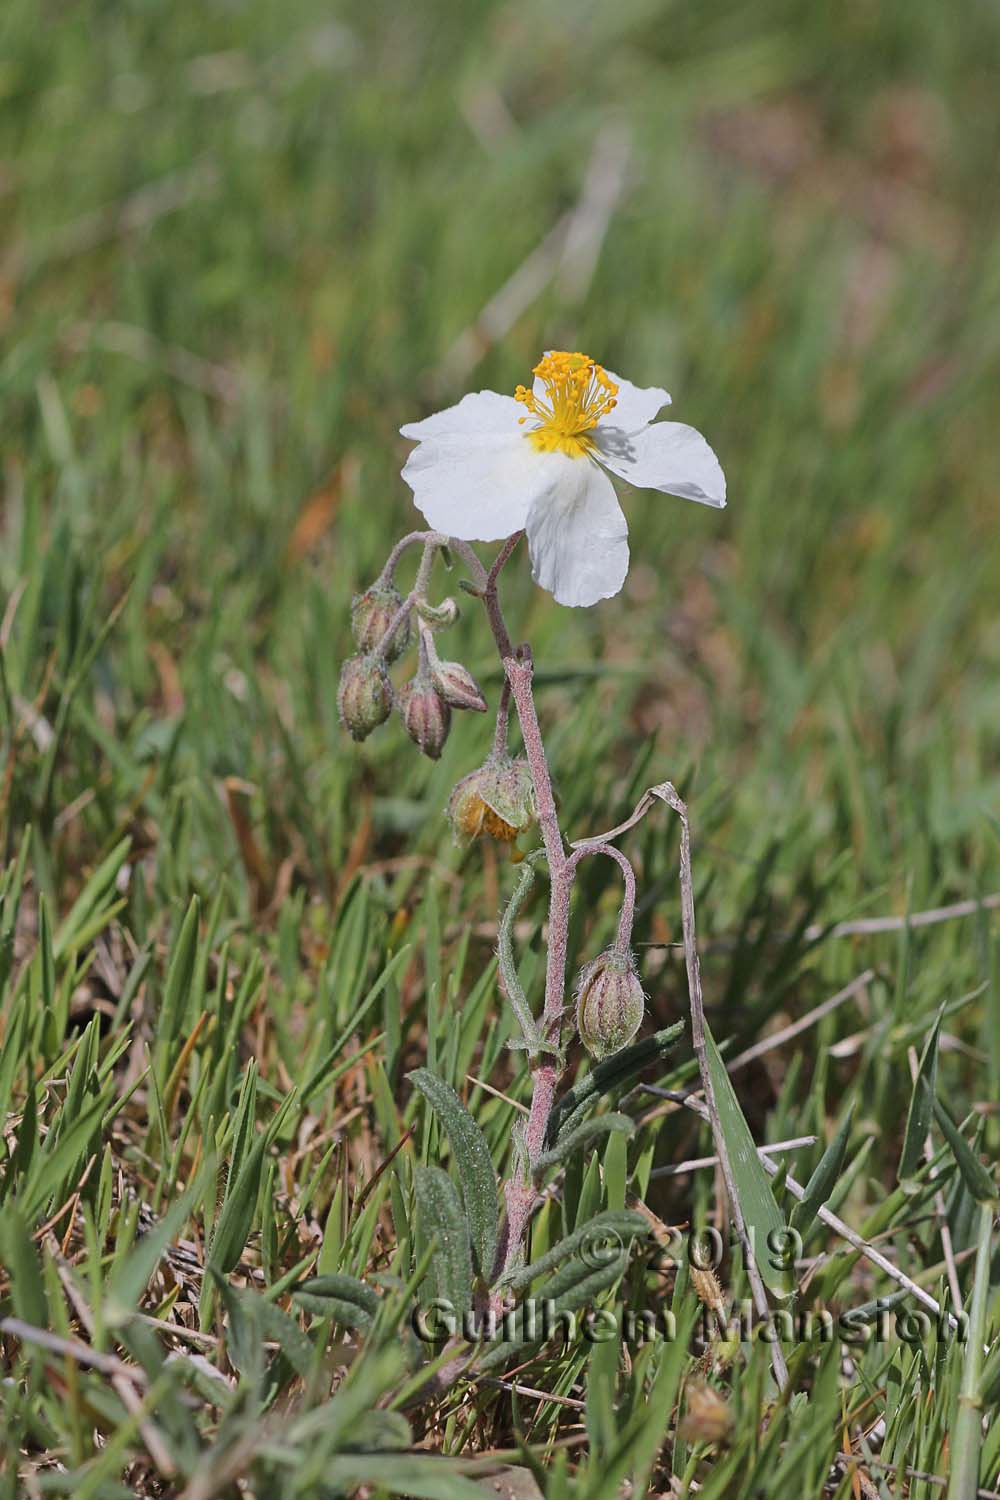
x=498, y=799
x=426, y=717
x=457, y=687
x=364, y=696
x=609, y=1003
x=371, y=615
x=442, y=615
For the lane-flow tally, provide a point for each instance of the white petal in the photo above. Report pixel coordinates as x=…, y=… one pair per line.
x=478, y=487
x=667, y=456
x=636, y=405
x=577, y=535
x=481, y=411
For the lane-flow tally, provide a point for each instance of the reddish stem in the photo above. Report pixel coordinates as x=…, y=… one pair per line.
x=520, y=1195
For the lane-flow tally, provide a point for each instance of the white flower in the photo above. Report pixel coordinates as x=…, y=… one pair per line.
x=493, y=465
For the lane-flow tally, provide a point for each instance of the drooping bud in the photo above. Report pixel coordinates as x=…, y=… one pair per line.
x=426, y=717
x=364, y=696
x=371, y=615
x=457, y=687
x=609, y=1003
x=498, y=799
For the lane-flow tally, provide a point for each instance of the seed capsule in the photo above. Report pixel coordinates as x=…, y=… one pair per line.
x=457, y=687
x=609, y=1003
x=426, y=717
x=371, y=615
x=498, y=799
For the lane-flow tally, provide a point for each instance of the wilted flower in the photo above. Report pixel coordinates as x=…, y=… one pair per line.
x=371, y=615
x=494, y=464
x=609, y=1003
x=426, y=717
x=498, y=799
x=708, y=1418
x=457, y=687
x=364, y=696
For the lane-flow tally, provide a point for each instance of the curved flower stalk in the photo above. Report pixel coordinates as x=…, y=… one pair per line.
x=531, y=465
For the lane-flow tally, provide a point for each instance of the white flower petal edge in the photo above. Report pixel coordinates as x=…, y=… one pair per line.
x=478, y=486
x=481, y=411
x=668, y=456
x=635, y=405
x=577, y=534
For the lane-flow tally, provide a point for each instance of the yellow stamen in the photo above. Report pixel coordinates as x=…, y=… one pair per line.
x=578, y=393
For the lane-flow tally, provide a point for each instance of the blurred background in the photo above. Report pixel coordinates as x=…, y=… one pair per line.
x=242, y=243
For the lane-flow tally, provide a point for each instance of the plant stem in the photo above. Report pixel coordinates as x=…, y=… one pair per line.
x=967, y=1433
x=433, y=541
x=623, y=939
x=520, y=1195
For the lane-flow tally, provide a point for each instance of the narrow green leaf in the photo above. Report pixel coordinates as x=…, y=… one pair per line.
x=582, y=1136
x=236, y=1215
x=975, y=1176
x=918, y=1116
x=131, y=1275
x=764, y=1220
x=473, y=1162
x=822, y=1182
x=575, y=1286
x=179, y=976
x=348, y=1311
x=429, y=1478
x=441, y=1217
x=611, y=1074
x=343, y=1298
x=596, y=1238
x=20, y=1260
x=93, y=896
x=52, y=1168
x=253, y=1322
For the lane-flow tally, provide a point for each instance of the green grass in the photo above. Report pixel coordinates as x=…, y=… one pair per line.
x=240, y=247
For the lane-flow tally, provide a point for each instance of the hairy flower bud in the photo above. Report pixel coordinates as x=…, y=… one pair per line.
x=498, y=799
x=441, y=615
x=371, y=615
x=609, y=1003
x=457, y=687
x=426, y=716
x=364, y=696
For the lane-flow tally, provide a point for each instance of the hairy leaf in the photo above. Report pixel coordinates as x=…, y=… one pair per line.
x=473, y=1161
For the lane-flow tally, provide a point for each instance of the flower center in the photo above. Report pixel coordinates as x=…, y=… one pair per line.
x=578, y=393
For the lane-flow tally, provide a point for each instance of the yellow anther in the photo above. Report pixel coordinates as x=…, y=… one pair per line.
x=577, y=394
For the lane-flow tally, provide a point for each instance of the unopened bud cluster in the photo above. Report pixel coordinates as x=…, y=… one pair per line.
x=382, y=627
x=609, y=1002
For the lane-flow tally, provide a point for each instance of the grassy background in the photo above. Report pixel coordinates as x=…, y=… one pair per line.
x=241, y=246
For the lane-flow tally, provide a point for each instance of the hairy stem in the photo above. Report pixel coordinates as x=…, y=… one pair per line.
x=520, y=1195
x=503, y=717
x=432, y=541
x=626, y=917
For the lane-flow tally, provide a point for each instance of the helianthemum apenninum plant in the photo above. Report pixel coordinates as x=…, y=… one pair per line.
x=530, y=467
